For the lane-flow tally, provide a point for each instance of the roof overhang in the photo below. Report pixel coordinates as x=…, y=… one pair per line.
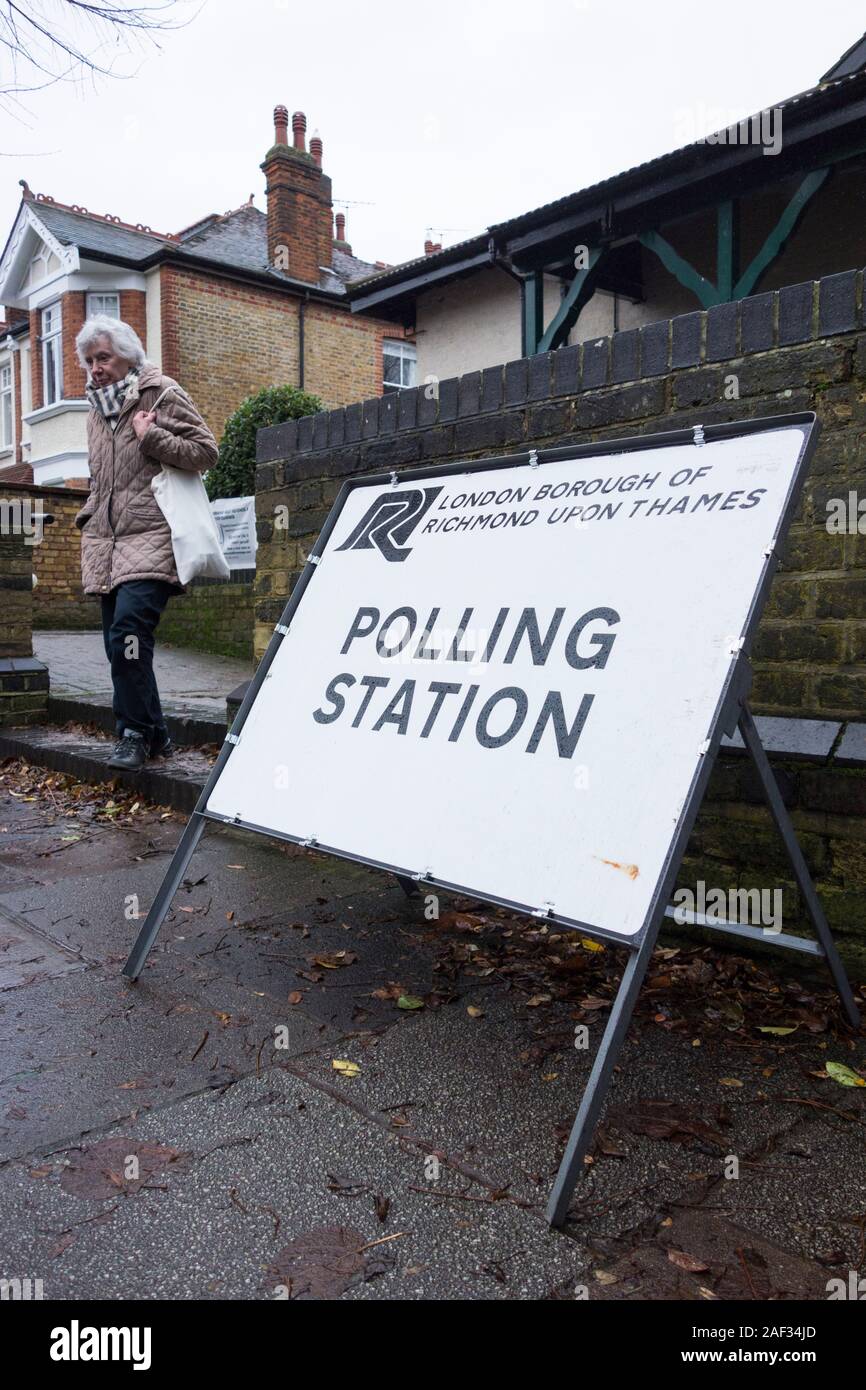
x=819, y=127
x=697, y=177
x=383, y=289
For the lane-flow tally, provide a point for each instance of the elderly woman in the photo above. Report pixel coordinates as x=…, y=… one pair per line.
x=140, y=421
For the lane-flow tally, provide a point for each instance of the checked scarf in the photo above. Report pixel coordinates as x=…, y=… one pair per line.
x=109, y=400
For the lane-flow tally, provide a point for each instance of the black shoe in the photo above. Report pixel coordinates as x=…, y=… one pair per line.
x=162, y=750
x=129, y=752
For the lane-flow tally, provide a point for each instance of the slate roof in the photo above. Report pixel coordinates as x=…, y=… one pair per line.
x=95, y=234
x=235, y=241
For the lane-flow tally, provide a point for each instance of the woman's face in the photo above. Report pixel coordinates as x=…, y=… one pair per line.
x=103, y=363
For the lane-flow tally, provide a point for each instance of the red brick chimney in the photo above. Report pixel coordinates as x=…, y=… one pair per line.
x=431, y=247
x=300, y=216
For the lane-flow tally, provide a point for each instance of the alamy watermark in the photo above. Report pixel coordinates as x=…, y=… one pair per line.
x=846, y=516
x=761, y=907
x=22, y=516
x=764, y=129
x=20, y=1290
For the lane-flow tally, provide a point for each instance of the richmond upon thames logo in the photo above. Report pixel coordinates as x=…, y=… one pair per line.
x=390, y=522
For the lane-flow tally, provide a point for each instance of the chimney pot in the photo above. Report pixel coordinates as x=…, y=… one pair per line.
x=341, y=226
x=281, y=125
x=299, y=126
x=316, y=147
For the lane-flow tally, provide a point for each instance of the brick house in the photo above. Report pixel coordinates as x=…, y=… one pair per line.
x=230, y=304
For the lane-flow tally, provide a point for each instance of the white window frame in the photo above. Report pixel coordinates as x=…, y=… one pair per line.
x=52, y=350
x=7, y=406
x=407, y=355
x=93, y=295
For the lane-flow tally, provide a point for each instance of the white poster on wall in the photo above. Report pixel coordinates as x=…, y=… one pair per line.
x=236, y=522
x=505, y=680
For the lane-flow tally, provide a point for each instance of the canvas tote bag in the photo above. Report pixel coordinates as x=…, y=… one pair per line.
x=183, y=501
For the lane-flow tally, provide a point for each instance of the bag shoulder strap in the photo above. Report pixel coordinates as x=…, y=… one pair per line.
x=162, y=395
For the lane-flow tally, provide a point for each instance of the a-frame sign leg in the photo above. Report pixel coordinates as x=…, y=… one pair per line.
x=166, y=891
x=779, y=812
x=571, y=1167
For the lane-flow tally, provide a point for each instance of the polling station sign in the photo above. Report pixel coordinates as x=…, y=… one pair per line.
x=502, y=677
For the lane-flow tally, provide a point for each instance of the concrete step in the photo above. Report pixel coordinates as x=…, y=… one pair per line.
x=175, y=781
x=186, y=730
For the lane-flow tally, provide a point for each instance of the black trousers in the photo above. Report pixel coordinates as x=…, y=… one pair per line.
x=130, y=616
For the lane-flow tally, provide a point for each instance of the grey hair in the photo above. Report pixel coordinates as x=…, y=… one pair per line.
x=124, y=340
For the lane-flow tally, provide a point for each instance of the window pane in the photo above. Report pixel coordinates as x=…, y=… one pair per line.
x=104, y=304
x=52, y=371
x=392, y=369
x=6, y=420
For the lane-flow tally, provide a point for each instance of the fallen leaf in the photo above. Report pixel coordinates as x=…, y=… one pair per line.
x=323, y=1263
x=335, y=960
x=62, y=1244
x=97, y=1171
x=685, y=1261
x=729, y=1081
x=346, y=1068
x=665, y=1119
x=295, y=997
x=410, y=1001
x=780, y=1032
x=474, y=1012
x=837, y=1071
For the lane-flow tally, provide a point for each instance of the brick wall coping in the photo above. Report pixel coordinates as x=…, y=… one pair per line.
x=72, y=494
x=792, y=315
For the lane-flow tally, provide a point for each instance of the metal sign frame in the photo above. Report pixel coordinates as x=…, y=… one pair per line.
x=732, y=711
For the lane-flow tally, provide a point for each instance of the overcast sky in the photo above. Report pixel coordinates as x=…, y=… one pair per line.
x=449, y=115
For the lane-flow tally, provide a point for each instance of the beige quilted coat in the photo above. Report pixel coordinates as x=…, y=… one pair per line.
x=124, y=535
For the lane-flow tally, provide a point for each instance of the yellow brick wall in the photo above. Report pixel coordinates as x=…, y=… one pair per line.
x=223, y=340
x=343, y=355
x=58, y=598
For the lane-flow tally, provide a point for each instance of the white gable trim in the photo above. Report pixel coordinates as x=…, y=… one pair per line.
x=28, y=232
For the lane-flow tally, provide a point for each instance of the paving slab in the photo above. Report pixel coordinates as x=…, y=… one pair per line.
x=265, y=1158
x=189, y=682
x=274, y=963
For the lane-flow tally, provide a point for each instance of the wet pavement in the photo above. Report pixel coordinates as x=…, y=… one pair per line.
x=190, y=1136
x=190, y=683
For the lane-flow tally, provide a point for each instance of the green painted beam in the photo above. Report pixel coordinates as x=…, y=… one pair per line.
x=679, y=267
x=580, y=290
x=532, y=296
x=727, y=248
x=775, y=242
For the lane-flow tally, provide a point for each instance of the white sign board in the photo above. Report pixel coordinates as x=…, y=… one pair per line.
x=236, y=523
x=505, y=679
